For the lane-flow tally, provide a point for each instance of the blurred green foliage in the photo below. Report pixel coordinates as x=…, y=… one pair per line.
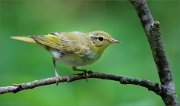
x=23, y=62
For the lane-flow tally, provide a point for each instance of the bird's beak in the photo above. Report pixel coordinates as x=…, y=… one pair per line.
x=114, y=41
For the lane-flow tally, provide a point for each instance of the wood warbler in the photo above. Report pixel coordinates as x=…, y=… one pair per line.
x=72, y=48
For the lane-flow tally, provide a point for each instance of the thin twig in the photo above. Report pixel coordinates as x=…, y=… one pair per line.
x=121, y=79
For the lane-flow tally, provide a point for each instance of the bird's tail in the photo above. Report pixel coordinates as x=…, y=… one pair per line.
x=22, y=38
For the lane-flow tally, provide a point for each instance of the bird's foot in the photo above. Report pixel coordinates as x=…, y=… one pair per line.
x=58, y=78
x=85, y=72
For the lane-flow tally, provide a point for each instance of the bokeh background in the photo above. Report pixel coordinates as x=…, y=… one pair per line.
x=23, y=62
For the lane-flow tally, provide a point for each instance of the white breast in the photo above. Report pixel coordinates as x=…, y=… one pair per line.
x=71, y=60
x=56, y=54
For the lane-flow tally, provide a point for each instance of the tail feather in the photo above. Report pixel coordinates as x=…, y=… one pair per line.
x=26, y=39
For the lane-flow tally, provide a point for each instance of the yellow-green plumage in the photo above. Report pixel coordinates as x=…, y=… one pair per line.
x=73, y=48
x=26, y=39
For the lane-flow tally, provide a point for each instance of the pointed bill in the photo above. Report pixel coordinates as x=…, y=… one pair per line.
x=114, y=41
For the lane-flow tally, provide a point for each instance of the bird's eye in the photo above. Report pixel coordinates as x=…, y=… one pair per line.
x=100, y=38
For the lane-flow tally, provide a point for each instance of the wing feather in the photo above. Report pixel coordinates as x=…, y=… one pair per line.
x=54, y=42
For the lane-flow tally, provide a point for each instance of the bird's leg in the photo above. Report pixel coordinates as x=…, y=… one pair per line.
x=58, y=78
x=85, y=72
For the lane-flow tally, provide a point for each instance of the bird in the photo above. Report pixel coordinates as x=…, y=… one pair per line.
x=72, y=48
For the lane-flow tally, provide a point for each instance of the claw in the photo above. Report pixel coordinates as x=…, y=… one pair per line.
x=58, y=78
x=85, y=72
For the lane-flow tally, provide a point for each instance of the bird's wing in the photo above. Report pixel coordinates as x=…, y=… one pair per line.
x=65, y=42
x=76, y=42
x=51, y=42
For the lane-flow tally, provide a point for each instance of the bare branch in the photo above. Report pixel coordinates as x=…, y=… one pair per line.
x=121, y=79
x=151, y=29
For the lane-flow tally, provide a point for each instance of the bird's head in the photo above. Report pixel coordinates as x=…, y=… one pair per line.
x=101, y=39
